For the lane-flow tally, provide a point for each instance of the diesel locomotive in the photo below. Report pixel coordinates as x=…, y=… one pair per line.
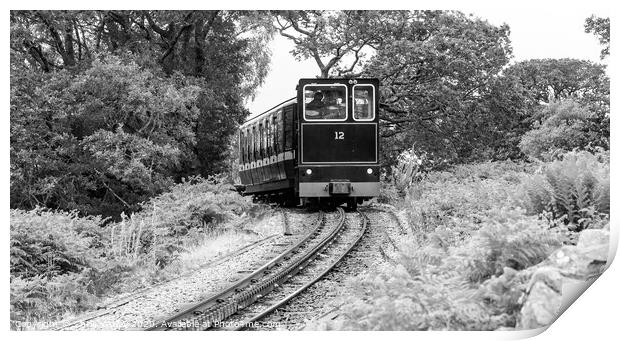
x=321, y=147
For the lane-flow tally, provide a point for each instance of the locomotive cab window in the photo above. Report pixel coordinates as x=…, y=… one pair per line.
x=363, y=102
x=325, y=102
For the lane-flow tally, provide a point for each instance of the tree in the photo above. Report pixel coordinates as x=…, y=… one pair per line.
x=99, y=141
x=600, y=28
x=564, y=127
x=332, y=38
x=51, y=40
x=437, y=75
x=111, y=107
x=562, y=78
x=438, y=71
x=553, y=80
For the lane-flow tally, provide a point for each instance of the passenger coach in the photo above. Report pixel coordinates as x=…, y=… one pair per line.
x=321, y=146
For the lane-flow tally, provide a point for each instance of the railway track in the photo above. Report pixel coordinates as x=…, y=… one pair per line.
x=322, y=264
x=322, y=301
x=272, y=285
x=141, y=309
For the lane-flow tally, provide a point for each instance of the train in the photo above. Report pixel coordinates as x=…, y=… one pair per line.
x=318, y=148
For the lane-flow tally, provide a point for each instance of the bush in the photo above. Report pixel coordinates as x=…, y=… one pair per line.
x=456, y=270
x=454, y=202
x=49, y=243
x=396, y=300
x=171, y=222
x=574, y=190
x=505, y=238
x=508, y=239
x=502, y=295
x=99, y=139
x=64, y=263
x=52, y=253
x=388, y=194
x=564, y=127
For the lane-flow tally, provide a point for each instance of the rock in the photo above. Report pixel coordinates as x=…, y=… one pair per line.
x=541, y=307
x=594, y=244
x=589, y=238
x=509, y=273
x=575, y=262
x=571, y=264
x=551, y=277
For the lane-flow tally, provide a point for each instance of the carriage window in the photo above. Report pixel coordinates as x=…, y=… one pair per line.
x=276, y=141
x=241, y=147
x=261, y=141
x=268, y=136
x=253, y=144
x=363, y=102
x=325, y=102
x=247, y=145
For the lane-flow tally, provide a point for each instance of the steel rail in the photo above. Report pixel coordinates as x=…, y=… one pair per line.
x=285, y=300
x=244, y=292
x=108, y=308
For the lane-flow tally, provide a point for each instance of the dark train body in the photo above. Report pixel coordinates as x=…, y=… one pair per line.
x=321, y=146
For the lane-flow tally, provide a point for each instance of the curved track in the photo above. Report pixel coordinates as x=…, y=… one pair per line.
x=248, y=290
x=320, y=304
x=319, y=265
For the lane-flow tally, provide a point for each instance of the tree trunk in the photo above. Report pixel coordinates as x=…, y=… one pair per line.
x=69, y=51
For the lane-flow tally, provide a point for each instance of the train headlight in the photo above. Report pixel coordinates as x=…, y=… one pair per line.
x=369, y=171
x=309, y=171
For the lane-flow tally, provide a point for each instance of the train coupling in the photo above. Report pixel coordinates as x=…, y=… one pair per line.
x=340, y=187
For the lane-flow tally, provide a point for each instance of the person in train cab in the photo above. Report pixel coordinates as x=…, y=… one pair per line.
x=317, y=102
x=334, y=106
x=362, y=110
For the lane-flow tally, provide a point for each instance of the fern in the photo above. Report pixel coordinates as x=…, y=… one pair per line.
x=407, y=169
x=509, y=239
x=573, y=189
x=602, y=196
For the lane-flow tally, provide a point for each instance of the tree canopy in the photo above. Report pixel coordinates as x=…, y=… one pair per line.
x=549, y=81
x=448, y=87
x=600, y=28
x=437, y=75
x=111, y=107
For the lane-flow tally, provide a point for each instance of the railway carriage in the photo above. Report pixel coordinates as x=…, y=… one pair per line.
x=321, y=146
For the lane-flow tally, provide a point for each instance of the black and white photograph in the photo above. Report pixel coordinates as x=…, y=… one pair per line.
x=336, y=169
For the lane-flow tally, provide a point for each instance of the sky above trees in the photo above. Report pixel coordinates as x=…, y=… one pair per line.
x=546, y=32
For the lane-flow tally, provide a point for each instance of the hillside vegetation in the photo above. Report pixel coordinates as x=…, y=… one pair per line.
x=123, y=151
x=471, y=229
x=62, y=263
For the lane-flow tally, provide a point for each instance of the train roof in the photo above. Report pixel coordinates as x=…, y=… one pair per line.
x=252, y=119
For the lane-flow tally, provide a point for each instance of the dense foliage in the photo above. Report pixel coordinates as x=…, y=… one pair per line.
x=447, y=87
x=564, y=127
x=109, y=108
x=63, y=263
x=571, y=104
x=574, y=190
x=471, y=230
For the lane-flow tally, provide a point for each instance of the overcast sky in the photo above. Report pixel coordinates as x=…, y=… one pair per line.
x=555, y=32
